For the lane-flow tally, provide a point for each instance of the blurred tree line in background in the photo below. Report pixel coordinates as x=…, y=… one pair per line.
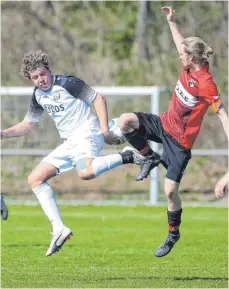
x=111, y=42
x=114, y=42
x=123, y=43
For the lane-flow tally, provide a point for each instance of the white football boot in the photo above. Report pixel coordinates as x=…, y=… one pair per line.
x=138, y=158
x=58, y=240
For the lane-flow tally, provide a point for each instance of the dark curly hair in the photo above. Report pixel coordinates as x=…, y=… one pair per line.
x=33, y=60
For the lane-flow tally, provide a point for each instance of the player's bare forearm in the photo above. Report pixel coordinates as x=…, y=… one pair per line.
x=19, y=129
x=221, y=188
x=223, y=115
x=177, y=37
x=101, y=110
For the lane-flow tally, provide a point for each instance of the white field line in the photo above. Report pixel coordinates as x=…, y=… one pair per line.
x=150, y=216
x=92, y=215
x=117, y=203
x=104, y=229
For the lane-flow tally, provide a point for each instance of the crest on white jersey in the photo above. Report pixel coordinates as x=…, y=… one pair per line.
x=56, y=96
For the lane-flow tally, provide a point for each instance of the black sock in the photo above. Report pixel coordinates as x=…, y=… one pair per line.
x=174, y=220
x=127, y=157
x=138, y=142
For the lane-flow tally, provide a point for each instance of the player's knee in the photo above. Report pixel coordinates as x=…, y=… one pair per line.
x=35, y=180
x=127, y=120
x=124, y=120
x=84, y=169
x=171, y=189
x=170, y=192
x=86, y=175
x=170, y=195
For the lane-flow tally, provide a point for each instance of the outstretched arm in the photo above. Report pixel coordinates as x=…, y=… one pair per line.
x=19, y=129
x=221, y=188
x=177, y=37
x=223, y=115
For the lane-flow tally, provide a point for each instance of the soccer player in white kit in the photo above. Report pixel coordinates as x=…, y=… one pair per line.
x=67, y=100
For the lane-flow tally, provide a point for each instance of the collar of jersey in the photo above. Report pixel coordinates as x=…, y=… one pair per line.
x=203, y=69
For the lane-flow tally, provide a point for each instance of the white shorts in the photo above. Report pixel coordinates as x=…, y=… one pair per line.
x=65, y=156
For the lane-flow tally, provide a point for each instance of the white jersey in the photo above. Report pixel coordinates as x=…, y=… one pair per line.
x=68, y=104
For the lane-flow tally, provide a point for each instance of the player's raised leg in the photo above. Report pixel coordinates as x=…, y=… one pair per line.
x=91, y=168
x=46, y=196
x=94, y=165
x=130, y=127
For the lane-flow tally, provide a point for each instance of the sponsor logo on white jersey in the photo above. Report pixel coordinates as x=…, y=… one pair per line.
x=184, y=95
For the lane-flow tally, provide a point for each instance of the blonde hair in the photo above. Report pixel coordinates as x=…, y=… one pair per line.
x=199, y=49
x=33, y=60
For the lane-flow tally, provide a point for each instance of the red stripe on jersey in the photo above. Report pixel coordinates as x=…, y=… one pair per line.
x=193, y=94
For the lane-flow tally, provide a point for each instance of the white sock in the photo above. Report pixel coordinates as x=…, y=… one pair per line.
x=46, y=197
x=106, y=163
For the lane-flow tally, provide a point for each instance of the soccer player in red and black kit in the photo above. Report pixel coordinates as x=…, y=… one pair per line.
x=177, y=128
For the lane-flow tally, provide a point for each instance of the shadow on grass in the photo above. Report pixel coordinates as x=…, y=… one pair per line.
x=199, y=278
x=170, y=278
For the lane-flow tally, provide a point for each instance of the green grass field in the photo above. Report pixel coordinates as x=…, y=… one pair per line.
x=113, y=247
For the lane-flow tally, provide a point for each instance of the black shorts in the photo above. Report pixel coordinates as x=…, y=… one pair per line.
x=175, y=157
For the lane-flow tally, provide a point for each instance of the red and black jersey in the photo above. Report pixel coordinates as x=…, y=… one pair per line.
x=193, y=94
